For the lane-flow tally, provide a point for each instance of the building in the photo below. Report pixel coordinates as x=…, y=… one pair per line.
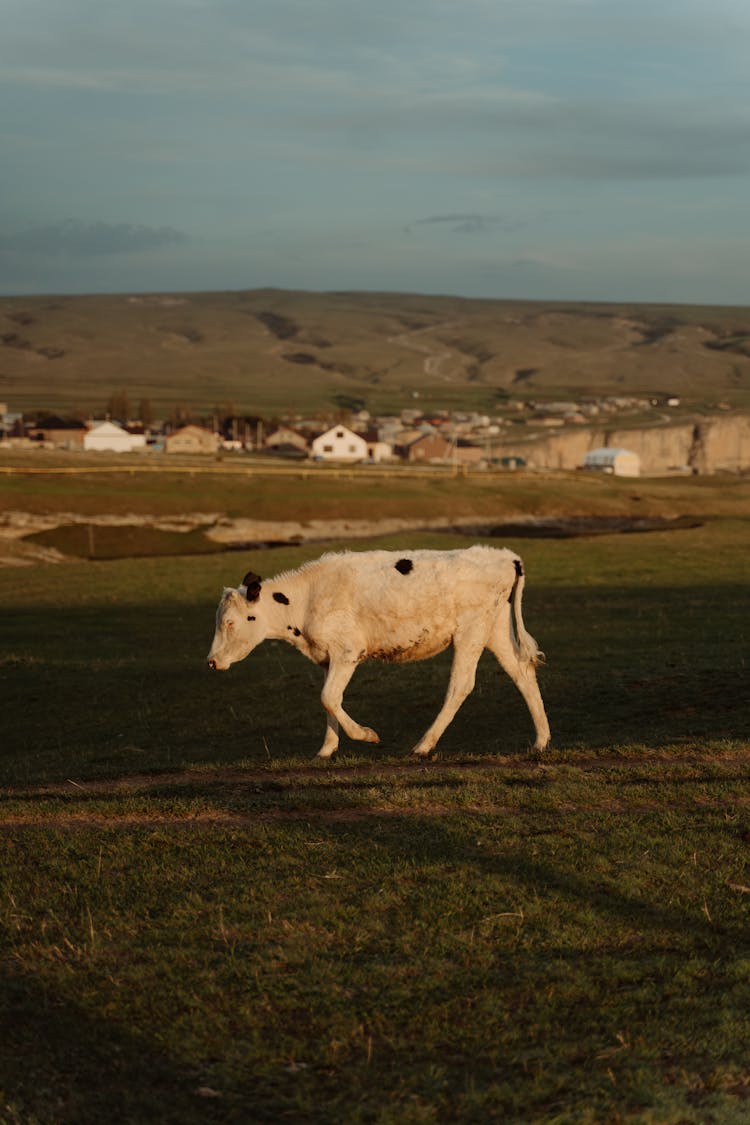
x=286, y=440
x=191, y=439
x=339, y=444
x=426, y=447
x=467, y=452
x=62, y=433
x=377, y=450
x=11, y=425
x=618, y=462
x=112, y=438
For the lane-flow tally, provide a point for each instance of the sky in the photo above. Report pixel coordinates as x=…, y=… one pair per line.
x=536, y=149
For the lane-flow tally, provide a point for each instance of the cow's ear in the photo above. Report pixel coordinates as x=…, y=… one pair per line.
x=252, y=582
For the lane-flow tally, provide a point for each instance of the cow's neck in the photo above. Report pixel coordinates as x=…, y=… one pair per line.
x=286, y=621
x=287, y=608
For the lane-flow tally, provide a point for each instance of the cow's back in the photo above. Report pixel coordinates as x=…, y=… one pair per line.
x=405, y=605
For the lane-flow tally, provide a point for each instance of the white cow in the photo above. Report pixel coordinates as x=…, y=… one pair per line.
x=345, y=608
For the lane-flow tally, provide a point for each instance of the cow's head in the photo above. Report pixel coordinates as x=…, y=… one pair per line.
x=240, y=624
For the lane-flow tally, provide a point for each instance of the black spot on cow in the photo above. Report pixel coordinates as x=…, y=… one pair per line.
x=404, y=566
x=297, y=633
x=250, y=617
x=279, y=597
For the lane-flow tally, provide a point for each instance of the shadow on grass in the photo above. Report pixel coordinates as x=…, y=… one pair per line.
x=600, y=959
x=60, y=1064
x=439, y=841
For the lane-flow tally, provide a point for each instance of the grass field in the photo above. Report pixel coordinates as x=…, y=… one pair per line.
x=242, y=488
x=202, y=925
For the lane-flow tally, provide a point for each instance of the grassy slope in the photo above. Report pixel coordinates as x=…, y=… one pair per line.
x=203, y=350
x=496, y=940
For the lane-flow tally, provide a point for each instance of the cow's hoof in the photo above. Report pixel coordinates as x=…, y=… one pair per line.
x=326, y=753
x=420, y=755
x=537, y=751
x=369, y=735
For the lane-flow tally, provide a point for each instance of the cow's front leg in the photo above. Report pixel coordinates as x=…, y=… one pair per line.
x=339, y=674
x=463, y=673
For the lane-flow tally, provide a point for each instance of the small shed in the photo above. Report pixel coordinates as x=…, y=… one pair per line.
x=618, y=462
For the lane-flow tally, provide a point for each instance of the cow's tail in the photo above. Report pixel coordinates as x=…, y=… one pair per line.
x=528, y=649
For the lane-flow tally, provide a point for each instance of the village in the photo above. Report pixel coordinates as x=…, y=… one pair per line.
x=411, y=437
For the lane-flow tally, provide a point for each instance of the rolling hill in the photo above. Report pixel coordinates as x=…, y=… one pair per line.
x=271, y=351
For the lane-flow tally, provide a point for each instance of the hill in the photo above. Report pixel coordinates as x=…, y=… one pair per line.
x=274, y=351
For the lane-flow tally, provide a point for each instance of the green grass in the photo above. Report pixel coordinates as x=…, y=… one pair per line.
x=200, y=924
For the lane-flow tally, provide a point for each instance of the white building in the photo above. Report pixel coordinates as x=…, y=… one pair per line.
x=339, y=444
x=378, y=451
x=619, y=462
x=112, y=438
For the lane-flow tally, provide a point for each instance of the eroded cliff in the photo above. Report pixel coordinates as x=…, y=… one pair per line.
x=701, y=444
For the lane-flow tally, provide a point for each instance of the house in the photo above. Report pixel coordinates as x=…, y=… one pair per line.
x=467, y=452
x=339, y=444
x=618, y=462
x=285, y=439
x=377, y=450
x=191, y=439
x=113, y=438
x=426, y=447
x=62, y=433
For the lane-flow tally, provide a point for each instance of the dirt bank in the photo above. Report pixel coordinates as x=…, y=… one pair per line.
x=20, y=532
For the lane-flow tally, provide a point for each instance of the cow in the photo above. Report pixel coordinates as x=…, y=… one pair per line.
x=348, y=607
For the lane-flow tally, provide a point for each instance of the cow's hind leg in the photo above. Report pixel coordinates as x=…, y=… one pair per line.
x=338, y=676
x=523, y=675
x=463, y=673
x=331, y=740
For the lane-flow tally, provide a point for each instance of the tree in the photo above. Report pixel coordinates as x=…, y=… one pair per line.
x=146, y=412
x=182, y=414
x=350, y=403
x=118, y=406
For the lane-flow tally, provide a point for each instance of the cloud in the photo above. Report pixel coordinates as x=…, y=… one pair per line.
x=469, y=223
x=75, y=239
